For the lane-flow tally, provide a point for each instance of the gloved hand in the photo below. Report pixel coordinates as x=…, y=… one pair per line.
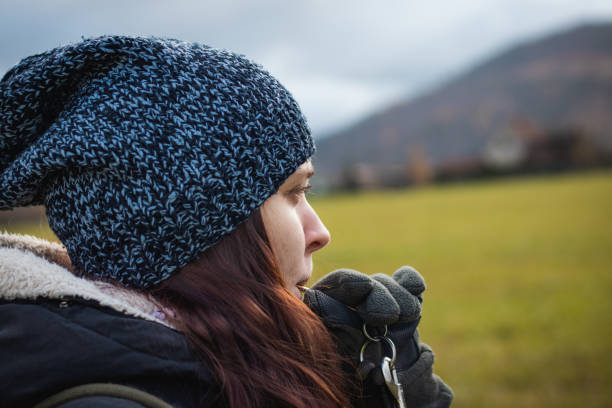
x=380, y=299
x=346, y=299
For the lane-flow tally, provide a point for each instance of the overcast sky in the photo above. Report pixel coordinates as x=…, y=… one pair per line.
x=341, y=59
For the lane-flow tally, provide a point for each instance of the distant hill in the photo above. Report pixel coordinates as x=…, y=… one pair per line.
x=563, y=81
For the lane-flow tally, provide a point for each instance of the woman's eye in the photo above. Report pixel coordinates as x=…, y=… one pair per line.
x=301, y=190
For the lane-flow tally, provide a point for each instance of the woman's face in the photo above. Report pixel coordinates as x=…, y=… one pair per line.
x=294, y=228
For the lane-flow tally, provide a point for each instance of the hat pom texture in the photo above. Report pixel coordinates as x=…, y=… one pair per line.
x=144, y=151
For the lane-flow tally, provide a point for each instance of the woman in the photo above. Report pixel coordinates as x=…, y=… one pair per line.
x=175, y=176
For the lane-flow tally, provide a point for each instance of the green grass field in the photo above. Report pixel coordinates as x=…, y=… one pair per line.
x=519, y=275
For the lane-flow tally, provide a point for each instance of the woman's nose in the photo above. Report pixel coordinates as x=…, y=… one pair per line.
x=315, y=233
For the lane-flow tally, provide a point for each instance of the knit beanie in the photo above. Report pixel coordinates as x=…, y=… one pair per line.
x=144, y=151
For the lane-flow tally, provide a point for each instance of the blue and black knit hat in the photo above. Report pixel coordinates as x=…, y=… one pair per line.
x=144, y=151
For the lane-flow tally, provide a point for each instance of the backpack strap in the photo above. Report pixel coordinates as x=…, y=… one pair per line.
x=105, y=390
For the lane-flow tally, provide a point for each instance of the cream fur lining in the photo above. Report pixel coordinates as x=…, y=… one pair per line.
x=32, y=268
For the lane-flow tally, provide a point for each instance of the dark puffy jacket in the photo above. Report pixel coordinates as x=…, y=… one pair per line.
x=58, y=331
x=52, y=345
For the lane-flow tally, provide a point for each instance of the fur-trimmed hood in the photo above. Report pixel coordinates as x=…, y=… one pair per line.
x=32, y=268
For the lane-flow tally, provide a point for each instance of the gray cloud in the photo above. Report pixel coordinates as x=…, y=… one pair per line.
x=341, y=59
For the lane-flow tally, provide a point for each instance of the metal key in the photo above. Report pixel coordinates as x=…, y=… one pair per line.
x=390, y=375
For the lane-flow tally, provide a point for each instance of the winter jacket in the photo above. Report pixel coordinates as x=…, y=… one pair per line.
x=58, y=331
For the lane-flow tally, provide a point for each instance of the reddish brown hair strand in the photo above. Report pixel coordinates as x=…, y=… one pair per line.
x=264, y=345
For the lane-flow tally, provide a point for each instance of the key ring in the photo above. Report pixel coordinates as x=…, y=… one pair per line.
x=375, y=339
x=379, y=338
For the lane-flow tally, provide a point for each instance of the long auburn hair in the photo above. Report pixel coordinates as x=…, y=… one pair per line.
x=265, y=346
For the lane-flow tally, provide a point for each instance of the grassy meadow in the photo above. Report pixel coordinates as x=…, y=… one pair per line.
x=519, y=275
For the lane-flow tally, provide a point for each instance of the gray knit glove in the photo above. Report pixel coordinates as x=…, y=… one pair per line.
x=379, y=300
x=346, y=299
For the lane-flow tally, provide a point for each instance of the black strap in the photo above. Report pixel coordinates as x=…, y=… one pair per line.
x=103, y=390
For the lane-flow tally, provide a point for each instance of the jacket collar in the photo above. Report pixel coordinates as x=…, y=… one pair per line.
x=32, y=268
